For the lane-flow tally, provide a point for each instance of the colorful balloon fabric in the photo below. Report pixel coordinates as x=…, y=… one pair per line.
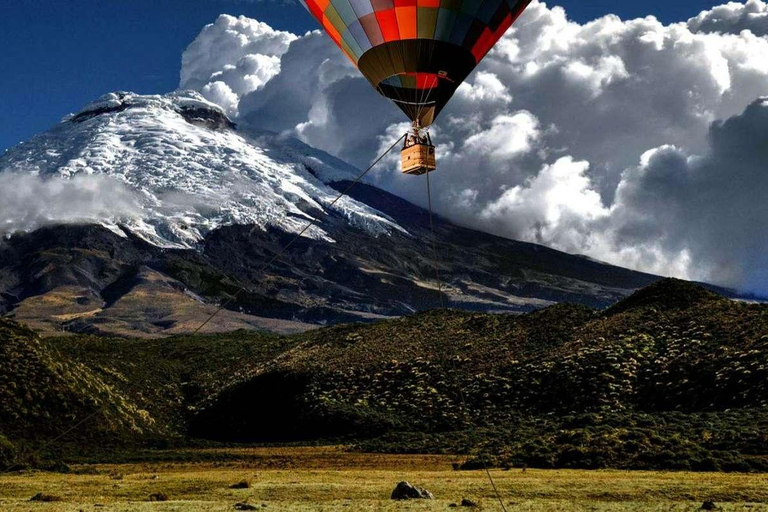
x=416, y=52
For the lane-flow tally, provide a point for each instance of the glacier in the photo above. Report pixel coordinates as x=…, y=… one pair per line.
x=191, y=170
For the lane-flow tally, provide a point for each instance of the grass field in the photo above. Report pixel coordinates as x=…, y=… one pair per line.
x=329, y=479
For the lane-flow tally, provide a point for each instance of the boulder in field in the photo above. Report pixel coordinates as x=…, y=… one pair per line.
x=406, y=491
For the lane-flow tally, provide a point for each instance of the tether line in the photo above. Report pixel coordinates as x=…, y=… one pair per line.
x=460, y=389
x=297, y=236
x=222, y=306
x=434, y=245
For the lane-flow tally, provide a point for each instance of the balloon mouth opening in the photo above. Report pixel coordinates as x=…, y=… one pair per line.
x=419, y=81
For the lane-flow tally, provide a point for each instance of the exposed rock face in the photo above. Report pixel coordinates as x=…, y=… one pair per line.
x=192, y=108
x=212, y=119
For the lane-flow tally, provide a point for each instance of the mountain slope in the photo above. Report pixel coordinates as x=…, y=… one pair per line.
x=202, y=205
x=650, y=383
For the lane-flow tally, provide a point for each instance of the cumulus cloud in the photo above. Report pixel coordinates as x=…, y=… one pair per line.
x=507, y=137
x=556, y=204
x=699, y=216
x=558, y=136
x=733, y=18
x=231, y=58
x=710, y=207
x=28, y=201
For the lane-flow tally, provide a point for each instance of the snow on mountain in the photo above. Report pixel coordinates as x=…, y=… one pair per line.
x=191, y=170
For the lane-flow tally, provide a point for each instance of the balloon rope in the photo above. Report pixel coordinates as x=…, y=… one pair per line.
x=434, y=245
x=17, y=461
x=454, y=369
x=298, y=235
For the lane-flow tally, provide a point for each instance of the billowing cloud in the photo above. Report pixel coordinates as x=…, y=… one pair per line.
x=711, y=207
x=231, y=58
x=733, y=18
x=543, y=141
x=554, y=207
x=697, y=216
x=29, y=201
x=508, y=136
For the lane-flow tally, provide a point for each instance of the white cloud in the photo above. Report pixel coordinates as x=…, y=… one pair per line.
x=233, y=57
x=28, y=201
x=542, y=142
x=733, y=18
x=485, y=88
x=553, y=207
x=507, y=137
x=220, y=93
x=700, y=217
x=711, y=207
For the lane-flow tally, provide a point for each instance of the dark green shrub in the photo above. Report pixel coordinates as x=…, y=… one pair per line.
x=8, y=454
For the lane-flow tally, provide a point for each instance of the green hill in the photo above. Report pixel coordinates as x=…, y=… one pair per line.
x=119, y=393
x=672, y=377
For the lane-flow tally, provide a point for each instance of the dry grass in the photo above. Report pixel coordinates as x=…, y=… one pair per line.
x=327, y=479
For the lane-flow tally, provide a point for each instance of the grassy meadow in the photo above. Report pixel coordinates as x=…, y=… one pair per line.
x=331, y=479
x=659, y=403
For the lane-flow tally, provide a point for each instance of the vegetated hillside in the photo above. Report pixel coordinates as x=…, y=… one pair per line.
x=42, y=392
x=85, y=394
x=672, y=377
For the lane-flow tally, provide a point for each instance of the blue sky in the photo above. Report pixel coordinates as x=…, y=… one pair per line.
x=55, y=56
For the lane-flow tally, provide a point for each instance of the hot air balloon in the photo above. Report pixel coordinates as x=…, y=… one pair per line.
x=416, y=52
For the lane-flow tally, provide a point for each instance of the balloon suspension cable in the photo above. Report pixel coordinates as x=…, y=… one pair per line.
x=135, y=385
x=454, y=369
x=435, y=254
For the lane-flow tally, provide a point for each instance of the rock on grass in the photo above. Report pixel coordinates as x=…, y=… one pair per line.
x=406, y=491
x=46, y=498
x=158, y=496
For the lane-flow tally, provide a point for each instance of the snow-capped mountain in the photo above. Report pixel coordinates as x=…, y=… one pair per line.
x=190, y=171
x=146, y=212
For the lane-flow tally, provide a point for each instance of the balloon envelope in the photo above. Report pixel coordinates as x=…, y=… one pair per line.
x=416, y=52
